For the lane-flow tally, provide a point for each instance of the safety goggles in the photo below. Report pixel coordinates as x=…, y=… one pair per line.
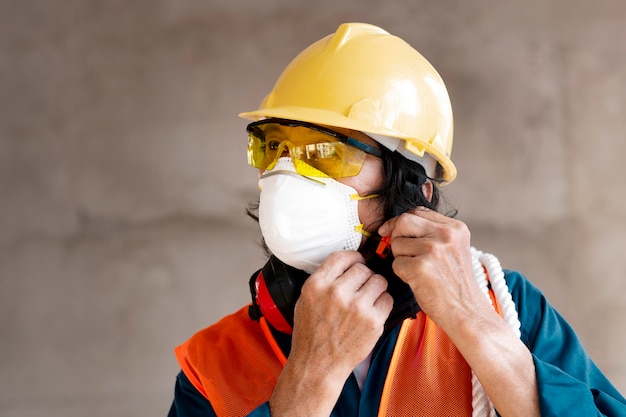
x=315, y=150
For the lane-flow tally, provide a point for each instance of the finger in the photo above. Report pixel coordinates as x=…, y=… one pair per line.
x=410, y=246
x=430, y=215
x=373, y=293
x=406, y=224
x=420, y=222
x=384, y=303
x=373, y=287
x=336, y=264
x=387, y=228
x=355, y=277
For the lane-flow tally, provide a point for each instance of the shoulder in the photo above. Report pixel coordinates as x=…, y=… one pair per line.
x=525, y=294
x=233, y=357
x=537, y=316
x=521, y=287
x=224, y=332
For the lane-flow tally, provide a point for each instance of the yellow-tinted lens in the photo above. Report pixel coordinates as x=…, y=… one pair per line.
x=316, y=157
x=256, y=151
x=263, y=155
x=336, y=159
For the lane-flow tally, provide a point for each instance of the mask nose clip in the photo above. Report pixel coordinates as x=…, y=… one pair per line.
x=285, y=165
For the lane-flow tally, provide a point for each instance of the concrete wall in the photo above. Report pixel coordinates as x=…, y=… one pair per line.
x=123, y=178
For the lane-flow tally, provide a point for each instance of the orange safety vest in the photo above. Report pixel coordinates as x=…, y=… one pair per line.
x=236, y=363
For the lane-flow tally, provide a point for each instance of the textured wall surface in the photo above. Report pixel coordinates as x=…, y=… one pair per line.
x=123, y=178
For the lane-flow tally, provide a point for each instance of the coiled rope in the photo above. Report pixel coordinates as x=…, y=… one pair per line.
x=487, y=270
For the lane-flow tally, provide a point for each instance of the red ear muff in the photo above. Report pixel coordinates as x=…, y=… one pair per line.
x=275, y=290
x=268, y=307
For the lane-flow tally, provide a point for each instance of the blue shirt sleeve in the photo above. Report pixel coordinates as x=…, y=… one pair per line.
x=567, y=378
x=188, y=401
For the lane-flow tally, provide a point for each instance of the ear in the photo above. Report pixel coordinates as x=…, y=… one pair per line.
x=427, y=190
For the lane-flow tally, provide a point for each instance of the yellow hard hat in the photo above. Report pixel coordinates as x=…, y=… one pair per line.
x=363, y=78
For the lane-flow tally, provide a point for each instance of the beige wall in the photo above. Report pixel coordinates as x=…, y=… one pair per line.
x=123, y=178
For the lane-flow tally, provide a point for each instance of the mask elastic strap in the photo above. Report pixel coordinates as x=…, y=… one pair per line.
x=360, y=228
x=366, y=197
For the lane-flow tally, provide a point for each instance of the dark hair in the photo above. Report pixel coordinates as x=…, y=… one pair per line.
x=402, y=187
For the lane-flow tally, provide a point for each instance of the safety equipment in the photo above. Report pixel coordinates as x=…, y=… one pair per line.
x=365, y=79
x=304, y=220
x=410, y=387
x=316, y=151
x=275, y=289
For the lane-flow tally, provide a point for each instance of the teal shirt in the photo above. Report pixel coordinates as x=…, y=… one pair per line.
x=569, y=383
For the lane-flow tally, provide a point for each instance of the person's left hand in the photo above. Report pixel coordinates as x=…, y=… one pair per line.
x=432, y=254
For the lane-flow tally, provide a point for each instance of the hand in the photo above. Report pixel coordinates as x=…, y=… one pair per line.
x=341, y=313
x=432, y=254
x=338, y=319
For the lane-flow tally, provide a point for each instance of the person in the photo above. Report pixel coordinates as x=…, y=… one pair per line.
x=373, y=301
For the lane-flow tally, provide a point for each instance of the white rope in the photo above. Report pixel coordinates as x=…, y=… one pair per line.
x=481, y=404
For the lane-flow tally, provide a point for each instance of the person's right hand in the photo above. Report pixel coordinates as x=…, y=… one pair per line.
x=338, y=319
x=341, y=313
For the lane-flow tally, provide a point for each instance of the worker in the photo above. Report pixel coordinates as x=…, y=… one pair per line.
x=374, y=301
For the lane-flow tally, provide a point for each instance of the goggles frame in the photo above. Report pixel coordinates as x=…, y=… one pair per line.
x=340, y=137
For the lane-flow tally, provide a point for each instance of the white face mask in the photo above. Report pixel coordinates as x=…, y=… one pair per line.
x=304, y=220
